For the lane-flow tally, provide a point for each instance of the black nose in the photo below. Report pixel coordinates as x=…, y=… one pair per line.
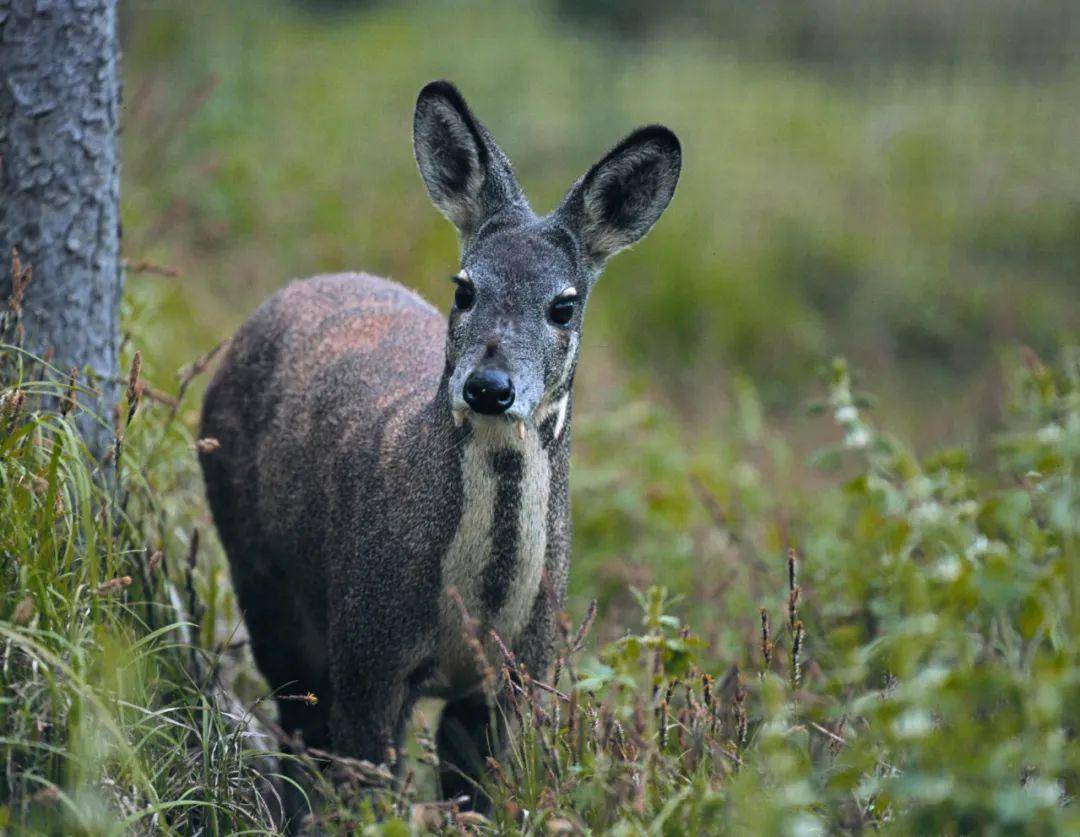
x=489, y=391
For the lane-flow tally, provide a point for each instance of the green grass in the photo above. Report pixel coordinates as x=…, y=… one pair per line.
x=106, y=713
x=920, y=670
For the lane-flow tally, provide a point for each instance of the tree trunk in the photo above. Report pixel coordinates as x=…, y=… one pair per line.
x=60, y=186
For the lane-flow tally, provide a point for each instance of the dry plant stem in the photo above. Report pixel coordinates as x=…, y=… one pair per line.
x=134, y=387
x=657, y=670
x=586, y=623
x=508, y=655
x=741, y=719
x=374, y=774
x=766, y=640
x=793, y=590
x=144, y=266
x=133, y=395
x=551, y=690
x=113, y=585
x=11, y=321
x=189, y=583
x=67, y=404
x=796, y=654
x=566, y=659
x=159, y=397
x=829, y=734
x=190, y=374
x=471, y=632
x=357, y=771
x=309, y=698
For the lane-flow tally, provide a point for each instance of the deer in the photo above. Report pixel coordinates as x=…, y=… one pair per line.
x=385, y=473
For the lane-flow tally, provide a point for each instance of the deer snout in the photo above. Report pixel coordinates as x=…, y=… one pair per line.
x=489, y=391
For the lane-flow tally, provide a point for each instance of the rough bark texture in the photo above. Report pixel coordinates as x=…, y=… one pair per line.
x=59, y=183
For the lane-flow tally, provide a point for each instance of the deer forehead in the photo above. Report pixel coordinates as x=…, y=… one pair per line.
x=527, y=261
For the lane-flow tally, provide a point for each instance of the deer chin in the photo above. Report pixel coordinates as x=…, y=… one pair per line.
x=517, y=422
x=505, y=427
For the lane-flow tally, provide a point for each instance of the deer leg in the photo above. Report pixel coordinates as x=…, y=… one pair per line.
x=469, y=732
x=374, y=657
x=368, y=716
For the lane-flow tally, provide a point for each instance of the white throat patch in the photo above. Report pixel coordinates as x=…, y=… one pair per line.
x=472, y=549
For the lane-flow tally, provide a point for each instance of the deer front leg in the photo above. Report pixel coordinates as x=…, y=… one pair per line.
x=469, y=732
x=367, y=719
x=374, y=655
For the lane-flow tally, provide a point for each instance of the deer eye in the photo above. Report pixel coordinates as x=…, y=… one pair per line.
x=464, y=296
x=562, y=310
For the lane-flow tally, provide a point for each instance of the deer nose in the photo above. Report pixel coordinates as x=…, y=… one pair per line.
x=489, y=391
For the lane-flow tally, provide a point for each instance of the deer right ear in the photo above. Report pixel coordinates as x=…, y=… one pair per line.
x=466, y=174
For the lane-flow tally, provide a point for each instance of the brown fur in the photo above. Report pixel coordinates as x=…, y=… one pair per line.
x=358, y=475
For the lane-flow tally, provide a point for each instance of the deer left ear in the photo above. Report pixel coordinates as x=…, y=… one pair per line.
x=623, y=195
x=466, y=173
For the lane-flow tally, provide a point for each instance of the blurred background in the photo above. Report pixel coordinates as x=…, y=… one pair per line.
x=898, y=183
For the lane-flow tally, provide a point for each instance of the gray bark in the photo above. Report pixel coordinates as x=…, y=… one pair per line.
x=59, y=185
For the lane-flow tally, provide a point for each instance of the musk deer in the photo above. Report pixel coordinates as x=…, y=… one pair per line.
x=375, y=455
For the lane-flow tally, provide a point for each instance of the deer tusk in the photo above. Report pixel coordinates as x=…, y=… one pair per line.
x=560, y=422
x=459, y=417
x=521, y=430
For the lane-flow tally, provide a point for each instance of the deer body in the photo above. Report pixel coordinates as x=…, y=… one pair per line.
x=381, y=467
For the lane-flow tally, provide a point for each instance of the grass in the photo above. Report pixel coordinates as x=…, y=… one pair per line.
x=911, y=665
x=111, y=720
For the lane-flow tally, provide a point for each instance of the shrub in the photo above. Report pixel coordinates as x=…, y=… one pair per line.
x=921, y=674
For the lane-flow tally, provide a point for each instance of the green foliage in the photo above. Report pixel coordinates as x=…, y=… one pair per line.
x=110, y=719
x=907, y=219
x=851, y=35
x=922, y=674
x=913, y=666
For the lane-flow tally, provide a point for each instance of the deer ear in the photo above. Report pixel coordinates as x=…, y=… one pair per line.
x=623, y=195
x=466, y=174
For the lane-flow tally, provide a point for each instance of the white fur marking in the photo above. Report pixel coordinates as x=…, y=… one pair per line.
x=561, y=420
x=531, y=539
x=571, y=356
x=563, y=403
x=470, y=550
